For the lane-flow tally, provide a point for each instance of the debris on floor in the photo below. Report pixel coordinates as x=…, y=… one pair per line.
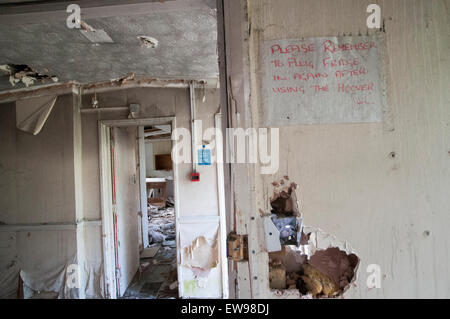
x=170, y=243
x=150, y=251
x=173, y=285
x=161, y=227
x=157, y=275
x=170, y=202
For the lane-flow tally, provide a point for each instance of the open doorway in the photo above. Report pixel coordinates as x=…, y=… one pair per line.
x=140, y=249
x=156, y=277
x=193, y=263
x=165, y=64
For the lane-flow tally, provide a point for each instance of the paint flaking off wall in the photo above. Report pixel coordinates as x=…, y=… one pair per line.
x=200, y=256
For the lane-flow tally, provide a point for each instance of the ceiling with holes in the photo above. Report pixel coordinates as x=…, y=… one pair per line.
x=180, y=43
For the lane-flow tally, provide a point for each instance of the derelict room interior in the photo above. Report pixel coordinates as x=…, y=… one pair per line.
x=224, y=149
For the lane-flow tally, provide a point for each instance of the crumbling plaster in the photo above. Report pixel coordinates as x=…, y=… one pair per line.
x=187, y=47
x=196, y=199
x=38, y=223
x=71, y=212
x=154, y=103
x=393, y=209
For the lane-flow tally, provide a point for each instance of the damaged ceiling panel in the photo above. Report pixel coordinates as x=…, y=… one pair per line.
x=21, y=73
x=95, y=35
x=179, y=43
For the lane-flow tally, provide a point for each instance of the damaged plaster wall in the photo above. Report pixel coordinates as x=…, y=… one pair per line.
x=154, y=103
x=304, y=262
x=383, y=191
x=196, y=199
x=37, y=183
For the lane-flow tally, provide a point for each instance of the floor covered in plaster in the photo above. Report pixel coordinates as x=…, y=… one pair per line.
x=157, y=274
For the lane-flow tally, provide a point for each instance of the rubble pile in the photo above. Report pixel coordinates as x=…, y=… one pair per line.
x=157, y=274
x=311, y=279
x=277, y=274
x=316, y=283
x=327, y=273
x=161, y=226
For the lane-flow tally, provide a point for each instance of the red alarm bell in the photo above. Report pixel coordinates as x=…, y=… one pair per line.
x=195, y=177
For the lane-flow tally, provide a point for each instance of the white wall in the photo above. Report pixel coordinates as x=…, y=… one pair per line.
x=196, y=199
x=349, y=184
x=37, y=186
x=154, y=103
x=149, y=159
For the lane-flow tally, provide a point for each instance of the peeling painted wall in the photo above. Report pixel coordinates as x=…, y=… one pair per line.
x=53, y=177
x=154, y=103
x=196, y=199
x=383, y=191
x=37, y=186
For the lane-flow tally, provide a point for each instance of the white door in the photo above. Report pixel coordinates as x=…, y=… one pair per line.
x=126, y=203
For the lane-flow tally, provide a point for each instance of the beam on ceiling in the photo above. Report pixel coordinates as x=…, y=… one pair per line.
x=100, y=87
x=38, y=91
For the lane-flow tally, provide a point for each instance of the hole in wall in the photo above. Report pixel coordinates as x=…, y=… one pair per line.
x=326, y=274
x=305, y=263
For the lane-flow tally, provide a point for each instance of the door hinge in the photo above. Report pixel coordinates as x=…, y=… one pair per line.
x=237, y=247
x=118, y=273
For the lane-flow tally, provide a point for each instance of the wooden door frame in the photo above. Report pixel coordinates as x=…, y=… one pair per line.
x=110, y=283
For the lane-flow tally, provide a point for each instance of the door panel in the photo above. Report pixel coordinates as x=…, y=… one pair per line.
x=127, y=202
